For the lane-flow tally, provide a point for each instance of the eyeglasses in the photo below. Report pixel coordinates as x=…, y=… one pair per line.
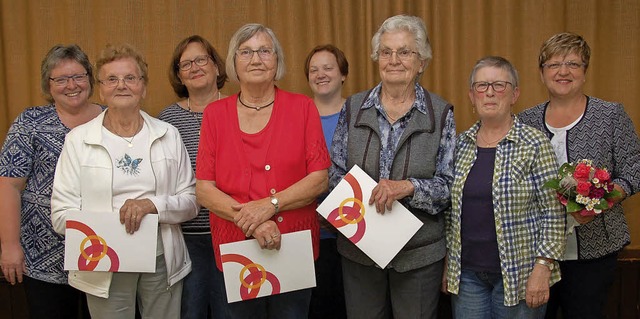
x=247, y=54
x=497, y=86
x=63, y=80
x=113, y=81
x=199, y=61
x=402, y=54
x=570, y=64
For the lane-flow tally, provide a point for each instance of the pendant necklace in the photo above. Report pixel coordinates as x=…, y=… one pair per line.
x=130, y=140
x=257, y=108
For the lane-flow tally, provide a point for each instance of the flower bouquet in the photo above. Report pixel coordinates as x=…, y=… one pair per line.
x=583, y=188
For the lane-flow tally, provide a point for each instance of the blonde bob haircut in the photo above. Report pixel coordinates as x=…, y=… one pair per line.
x=564, y=44
x=245, y=33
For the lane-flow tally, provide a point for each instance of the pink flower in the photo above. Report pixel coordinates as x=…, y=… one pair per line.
x=562, y=199
x=609, y=187
x=583, y=188
x=602, y=175
x=582, y=171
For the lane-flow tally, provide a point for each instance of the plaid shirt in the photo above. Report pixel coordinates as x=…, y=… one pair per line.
x=529, y=219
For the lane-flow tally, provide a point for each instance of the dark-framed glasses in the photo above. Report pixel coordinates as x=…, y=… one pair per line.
x=402, y=54
x=557, y=65
x=497, y=86
x=129, y=80
x=246, y=54
x=63, y=80
x=199, y=61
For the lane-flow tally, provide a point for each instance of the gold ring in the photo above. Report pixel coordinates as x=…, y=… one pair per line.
x=275, y=235
x=269, y=242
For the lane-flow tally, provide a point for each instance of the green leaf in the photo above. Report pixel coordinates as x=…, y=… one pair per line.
x=552, y=184
x=612, y=194
x=566, y=168
x=602, y=205
x=572, y=206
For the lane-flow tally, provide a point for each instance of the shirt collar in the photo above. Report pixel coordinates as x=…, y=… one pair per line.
x=373, y=100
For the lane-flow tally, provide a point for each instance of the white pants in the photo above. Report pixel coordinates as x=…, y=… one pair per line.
x=155, y=299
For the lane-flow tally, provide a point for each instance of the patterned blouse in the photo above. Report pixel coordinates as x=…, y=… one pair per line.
x=31, y=151
x=188, y=124
x=431, y=195
x=529, y=220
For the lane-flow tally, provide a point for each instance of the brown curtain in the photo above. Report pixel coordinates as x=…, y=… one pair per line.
x=461, y=32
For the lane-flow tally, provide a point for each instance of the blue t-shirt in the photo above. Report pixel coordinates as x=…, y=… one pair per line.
x=329, y=123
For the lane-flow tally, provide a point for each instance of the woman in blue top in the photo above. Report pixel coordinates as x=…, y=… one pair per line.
x=32, y=252
x=326, y=69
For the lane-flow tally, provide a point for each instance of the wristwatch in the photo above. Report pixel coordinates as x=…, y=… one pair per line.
x=275, y=203
x=549, y=265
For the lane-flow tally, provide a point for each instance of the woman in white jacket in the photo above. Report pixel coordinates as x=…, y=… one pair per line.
x=129, y=163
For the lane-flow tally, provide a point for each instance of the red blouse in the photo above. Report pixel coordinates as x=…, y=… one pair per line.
x=293, y=146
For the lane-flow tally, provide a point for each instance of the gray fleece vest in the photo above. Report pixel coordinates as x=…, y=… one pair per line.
x=415, y=157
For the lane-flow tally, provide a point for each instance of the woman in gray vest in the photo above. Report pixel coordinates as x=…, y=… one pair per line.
x=404, y=137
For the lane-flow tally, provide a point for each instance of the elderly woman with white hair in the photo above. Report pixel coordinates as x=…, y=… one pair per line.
x=404, y=137
x=261, y=164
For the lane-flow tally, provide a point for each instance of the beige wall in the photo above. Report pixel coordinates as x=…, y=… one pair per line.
x=461, y=32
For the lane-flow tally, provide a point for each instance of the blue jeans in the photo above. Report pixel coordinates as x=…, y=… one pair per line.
x=199, y=292
x=288, y=305
x=481, y=295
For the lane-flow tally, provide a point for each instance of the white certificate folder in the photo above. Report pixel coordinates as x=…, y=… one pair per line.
x=380, y=236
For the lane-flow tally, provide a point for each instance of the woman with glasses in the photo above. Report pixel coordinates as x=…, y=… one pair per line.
x=262, y=162
x=32, y=252
x=403, y=136
x=197, y=74
x=585, y=127
x=504, y=231
x=129, y=163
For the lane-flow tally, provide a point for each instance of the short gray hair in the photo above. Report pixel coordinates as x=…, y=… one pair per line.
x=496, y=62
x=245, y=33
x=57, y=54
x=413, y=25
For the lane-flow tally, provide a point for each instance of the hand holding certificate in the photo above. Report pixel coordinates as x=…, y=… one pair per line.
x=252, y=272
x=347, y=208
x=98, y=242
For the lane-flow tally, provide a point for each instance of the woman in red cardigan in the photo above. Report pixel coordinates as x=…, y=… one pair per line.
x=262, y=162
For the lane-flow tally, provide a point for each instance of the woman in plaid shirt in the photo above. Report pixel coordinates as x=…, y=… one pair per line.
x=505, y=230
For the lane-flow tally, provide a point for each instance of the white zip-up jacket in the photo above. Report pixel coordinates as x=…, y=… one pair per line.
x=83, y=182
